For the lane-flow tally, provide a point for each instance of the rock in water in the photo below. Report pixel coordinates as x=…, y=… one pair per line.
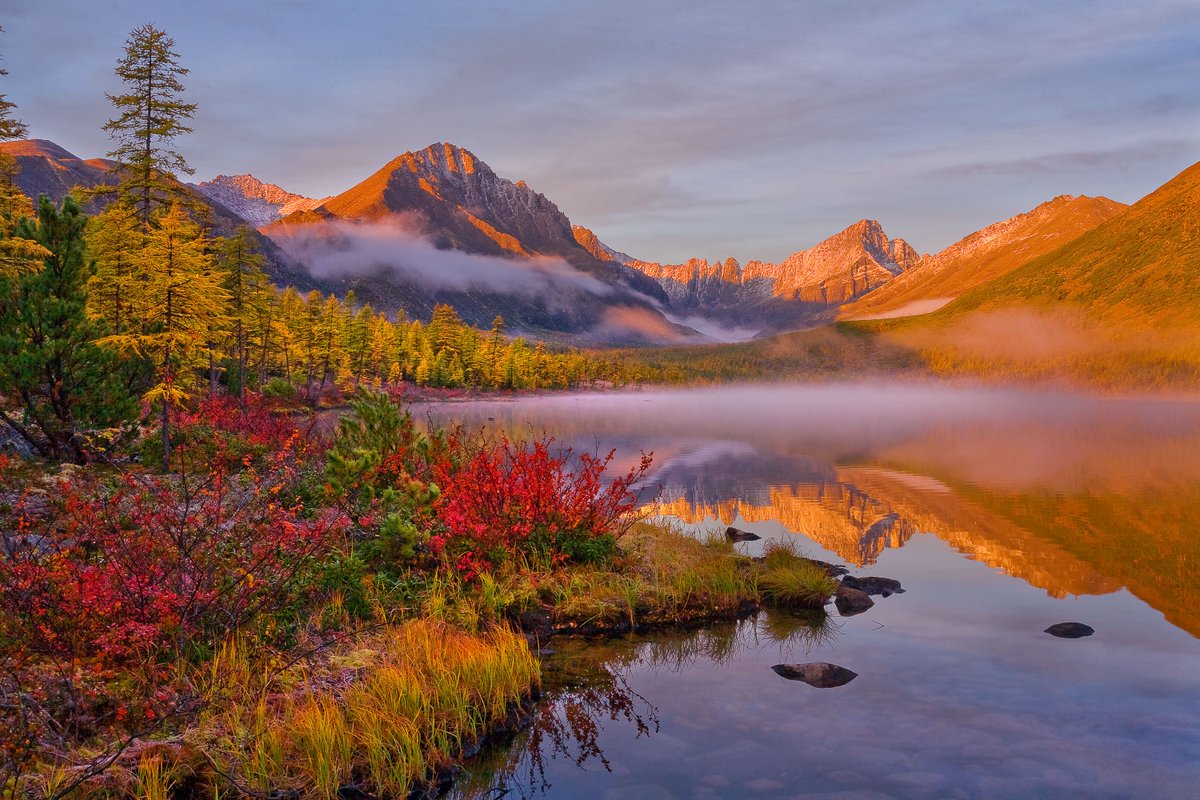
x=873, y=585
x=851, y=601
x=1070, y=630
x=734, y=535
x=817, y=673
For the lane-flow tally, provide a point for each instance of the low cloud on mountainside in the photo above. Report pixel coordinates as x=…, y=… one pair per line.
x=396, y=250
x=343, y=249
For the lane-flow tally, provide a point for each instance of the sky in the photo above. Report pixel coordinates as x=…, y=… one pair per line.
x=749, y=128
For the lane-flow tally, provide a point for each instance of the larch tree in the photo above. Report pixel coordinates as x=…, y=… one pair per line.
x=184, y=303
x=116, y=290
x=242, y=276
x=17, y=254
x=150, y=115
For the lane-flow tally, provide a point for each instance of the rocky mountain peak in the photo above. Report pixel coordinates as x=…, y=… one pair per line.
x=253, y=200
x=588, y=240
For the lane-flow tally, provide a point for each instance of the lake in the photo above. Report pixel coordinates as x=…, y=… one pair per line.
x=1000, y=511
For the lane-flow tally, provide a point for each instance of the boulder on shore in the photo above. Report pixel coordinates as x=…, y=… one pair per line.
x=735, y=535
x=1070, y=630
x=816, y=673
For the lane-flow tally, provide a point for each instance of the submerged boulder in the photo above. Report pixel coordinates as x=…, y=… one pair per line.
x=872, y=585
x=816, y=673
x=832, y=570
x=1070, y=630
x=851, y=601
x=735, y=535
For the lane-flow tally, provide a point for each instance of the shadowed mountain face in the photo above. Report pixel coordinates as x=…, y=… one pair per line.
x=984, y=255
x=47, y=169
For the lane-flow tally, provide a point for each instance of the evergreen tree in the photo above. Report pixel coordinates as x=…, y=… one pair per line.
x=184, y=302
x=47, y=356
x=150, y=116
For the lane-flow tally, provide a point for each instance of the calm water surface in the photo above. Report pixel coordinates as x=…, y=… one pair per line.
x=1001, y=512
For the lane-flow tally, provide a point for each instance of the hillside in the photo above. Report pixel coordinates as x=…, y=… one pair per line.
x=1137, y=270
x=984, y=255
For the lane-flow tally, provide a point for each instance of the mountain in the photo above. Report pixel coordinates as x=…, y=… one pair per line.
x=447, y=200
x=984, y=255
x=45, y=168
x=839, y=269
x=1136, y=270
x=802, y=290
x=588, y=240
x=254, y=201
x=844, y=266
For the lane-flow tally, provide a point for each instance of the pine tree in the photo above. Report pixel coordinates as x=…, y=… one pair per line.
x=47, y=356
x=184, y=302
x=150, y=116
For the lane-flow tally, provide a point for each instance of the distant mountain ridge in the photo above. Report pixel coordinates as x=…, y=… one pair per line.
x=453, y=201
x=1135, y=271
x=986, y=254
x=45, y=168
x=254, y=201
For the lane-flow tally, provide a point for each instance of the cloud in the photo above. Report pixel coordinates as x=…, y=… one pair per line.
x=621, y=321
x=1069, y=160
x=395, y=248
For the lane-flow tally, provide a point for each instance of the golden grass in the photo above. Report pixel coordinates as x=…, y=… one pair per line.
x=429, y=690
x=785, y=578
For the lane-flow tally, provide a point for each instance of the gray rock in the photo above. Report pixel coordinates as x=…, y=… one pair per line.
x=735, y=535
x=873, y=585
x=816, y=673
x=851, y=601
x=832, y=570
x=1070, y=630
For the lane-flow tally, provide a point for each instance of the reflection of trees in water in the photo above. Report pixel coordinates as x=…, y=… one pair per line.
x=586, y=689
x=566, y=724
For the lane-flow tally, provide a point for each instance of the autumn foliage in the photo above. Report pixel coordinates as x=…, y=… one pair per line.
x=115, y=585
x=534, y=500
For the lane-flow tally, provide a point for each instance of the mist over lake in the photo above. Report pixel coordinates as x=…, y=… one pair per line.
x=1000, y=511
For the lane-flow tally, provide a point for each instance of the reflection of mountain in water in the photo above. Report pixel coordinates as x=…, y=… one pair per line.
x=1073, y=494
x=862, y=511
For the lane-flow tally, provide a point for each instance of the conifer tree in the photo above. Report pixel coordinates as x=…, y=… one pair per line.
x=10, y=126
x=150, y=115
x=116, y=292
x=47, y=356
x=184, y=302
x=243, y=278
x=17, y=254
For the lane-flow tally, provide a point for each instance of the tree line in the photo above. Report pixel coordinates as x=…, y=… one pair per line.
x=142, y=301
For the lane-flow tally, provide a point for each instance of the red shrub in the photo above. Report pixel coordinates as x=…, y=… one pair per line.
x=509, y=499
x=140, y=570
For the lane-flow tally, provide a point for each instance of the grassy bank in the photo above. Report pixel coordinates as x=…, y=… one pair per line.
x=280, y=614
